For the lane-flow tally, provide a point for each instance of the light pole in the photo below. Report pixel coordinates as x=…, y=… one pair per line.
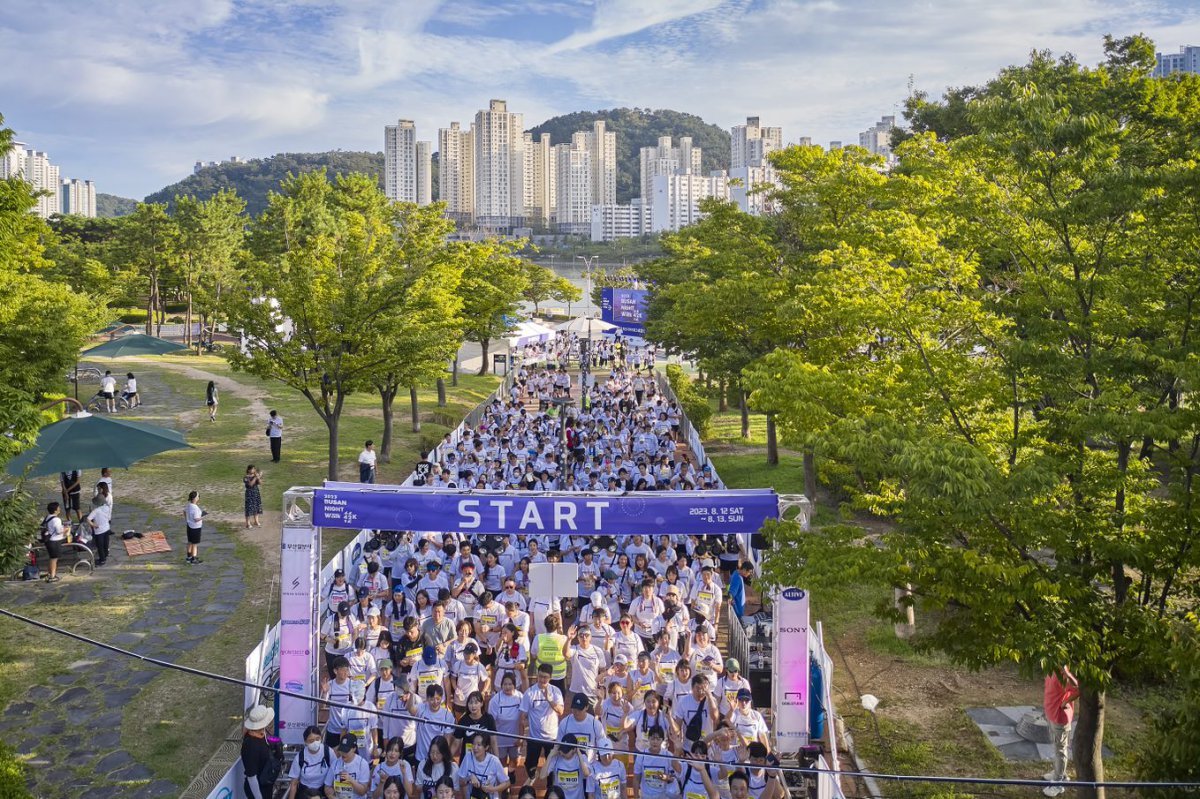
x=588, y=261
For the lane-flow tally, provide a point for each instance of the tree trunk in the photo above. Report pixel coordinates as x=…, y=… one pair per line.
x=416, y=409
x=454, y=372
x=810, y=475
x=441, y=389
x=483, y=346
x=387, y=396
x=1087, y=749
x=745, y=397
x=150, y=302
x=723, y=399
x=772, y=441
x=331, y=422
x=187, y=324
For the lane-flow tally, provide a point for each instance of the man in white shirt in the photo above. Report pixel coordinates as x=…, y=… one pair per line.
x=366, y=463
x=108, y=390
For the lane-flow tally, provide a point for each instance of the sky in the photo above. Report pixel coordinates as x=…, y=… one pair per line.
x=130, y=93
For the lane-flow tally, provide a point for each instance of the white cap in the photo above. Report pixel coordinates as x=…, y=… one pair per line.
x=598, y=599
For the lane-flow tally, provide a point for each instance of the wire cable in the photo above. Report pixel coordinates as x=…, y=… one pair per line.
x=780, y=769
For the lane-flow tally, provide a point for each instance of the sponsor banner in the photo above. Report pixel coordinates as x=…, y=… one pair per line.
x=644, y=513
x=625, y=308
x=791, y=669
x=299, y=553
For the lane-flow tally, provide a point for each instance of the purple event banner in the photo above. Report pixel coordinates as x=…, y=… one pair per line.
x=648, y=513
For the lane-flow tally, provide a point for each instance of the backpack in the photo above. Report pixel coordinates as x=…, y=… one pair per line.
x=30, y=570
x=695, y=726
x=44, y=529
x=274, y=767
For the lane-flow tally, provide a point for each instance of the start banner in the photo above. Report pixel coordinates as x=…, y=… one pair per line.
x=352, y=506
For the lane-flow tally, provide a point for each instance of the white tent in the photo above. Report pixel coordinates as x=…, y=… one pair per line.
x=527, y=333
x=581, y=324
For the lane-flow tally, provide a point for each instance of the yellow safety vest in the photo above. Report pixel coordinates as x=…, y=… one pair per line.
x=550, y=650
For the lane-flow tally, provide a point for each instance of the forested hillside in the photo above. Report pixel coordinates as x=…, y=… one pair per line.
x=254, y=179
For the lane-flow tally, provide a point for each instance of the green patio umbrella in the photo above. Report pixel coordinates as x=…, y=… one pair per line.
x=84, y=441
x=133, y=344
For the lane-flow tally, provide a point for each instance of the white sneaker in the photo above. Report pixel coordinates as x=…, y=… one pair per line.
x=1053, y=790
x=1048, y=776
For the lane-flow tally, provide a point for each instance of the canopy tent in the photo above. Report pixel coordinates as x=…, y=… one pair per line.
x=583, y=324
x=133, y=344
x=527, y=333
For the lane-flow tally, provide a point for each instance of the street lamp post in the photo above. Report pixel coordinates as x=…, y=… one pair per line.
x=588, y=261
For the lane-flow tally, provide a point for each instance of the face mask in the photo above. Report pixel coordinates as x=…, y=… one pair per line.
x=313, y=746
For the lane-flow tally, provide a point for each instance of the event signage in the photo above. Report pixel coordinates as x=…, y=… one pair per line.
x=625, y=308
x=298, y=558
x=344, y=505
x=791, y=668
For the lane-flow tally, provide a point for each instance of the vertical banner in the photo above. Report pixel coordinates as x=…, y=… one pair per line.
x=790, y=621
x=300, y=548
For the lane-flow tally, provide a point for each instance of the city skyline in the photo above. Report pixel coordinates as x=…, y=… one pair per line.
x=132, y=99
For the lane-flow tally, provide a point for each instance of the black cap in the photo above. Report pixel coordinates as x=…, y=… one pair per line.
x=343, y=608
x=580, y=702
x=346, y=743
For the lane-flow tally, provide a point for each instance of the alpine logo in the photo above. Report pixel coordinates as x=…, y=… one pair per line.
x=794, y=594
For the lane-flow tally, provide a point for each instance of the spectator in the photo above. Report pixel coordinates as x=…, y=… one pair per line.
x=252, y=482
x=275, y=434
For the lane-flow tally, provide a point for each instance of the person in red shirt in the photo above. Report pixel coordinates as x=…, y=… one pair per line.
x=1061, y=691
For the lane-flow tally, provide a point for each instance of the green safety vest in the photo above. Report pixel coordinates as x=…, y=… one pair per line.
x=549, y=650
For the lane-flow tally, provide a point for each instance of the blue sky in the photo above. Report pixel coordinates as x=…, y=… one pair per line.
x=130, y=93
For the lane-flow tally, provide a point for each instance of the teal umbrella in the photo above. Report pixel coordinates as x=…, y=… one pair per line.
x=84, y=441
x=133, y=344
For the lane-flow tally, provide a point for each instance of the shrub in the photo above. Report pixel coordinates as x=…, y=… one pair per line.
x=12, y=776
x=691, y=398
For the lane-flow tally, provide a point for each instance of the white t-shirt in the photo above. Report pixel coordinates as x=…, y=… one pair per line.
x=315, y=767
x=543, y=720
x=367, y=456
x=55, y=529
x=357, y=768
x=131, y=385
x=108, y=384
x=194, y=516
x=101, y=516
x=489, y=771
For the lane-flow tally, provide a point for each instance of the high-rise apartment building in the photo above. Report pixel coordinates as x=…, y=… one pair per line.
x=664, y=159
x=55, y=194
x=675, y=199
x=1186, y=60
x=574, y=193
x=456, y=171
x=750, y=143
x=79, y=198
x=602, y=147
x=499, y=167
x=612, y=222
x=424, y=173
x=541, y=181
x=406, y=164
x=878, y=138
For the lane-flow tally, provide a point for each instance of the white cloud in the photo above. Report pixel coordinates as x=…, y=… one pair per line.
x=131, y=97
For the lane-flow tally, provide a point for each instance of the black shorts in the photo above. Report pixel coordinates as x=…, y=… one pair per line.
x=54, y=549
x=193, y=534
x=107, y=394
x=72, y=501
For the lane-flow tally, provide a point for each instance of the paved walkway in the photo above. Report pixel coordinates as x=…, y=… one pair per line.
x=70, y=729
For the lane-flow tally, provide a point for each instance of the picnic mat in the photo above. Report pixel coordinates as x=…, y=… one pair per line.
x=147, y=544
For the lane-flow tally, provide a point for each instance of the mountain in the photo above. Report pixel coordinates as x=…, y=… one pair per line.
x=109, y=205
x=254, y=179
x=637, y=128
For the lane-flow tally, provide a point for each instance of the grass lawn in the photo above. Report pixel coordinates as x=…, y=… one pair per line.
x=922, y=724
x=177, y=721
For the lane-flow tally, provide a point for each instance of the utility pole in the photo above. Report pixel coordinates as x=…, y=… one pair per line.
x=586, y=362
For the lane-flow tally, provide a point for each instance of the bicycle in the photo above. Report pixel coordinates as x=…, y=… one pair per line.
x=88, y=374
x=99, y=404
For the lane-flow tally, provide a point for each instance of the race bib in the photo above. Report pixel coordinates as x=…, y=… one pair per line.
x=359, y=729
x=610, y=786
x=667, y=671
x=426, y=679
x=343, y=640
x=695, y=795
x=655, y=777
x=568, y=779
x=342, y=789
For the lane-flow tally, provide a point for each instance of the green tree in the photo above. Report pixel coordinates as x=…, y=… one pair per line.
x=492, y=282
x=543, y=285
x=211, y=234
x=426, y=329
x=716, y=296
x=321, y=283
x=1016, y=351
x=147, y=245
x=42, y=328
